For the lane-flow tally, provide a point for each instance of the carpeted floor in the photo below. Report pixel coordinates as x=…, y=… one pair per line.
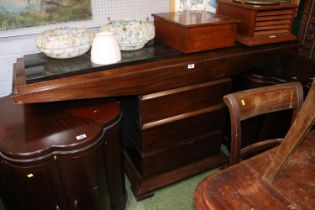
x=178, y=196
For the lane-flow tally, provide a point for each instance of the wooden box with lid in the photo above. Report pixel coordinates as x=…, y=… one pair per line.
x=260, y=24
x=192, y=31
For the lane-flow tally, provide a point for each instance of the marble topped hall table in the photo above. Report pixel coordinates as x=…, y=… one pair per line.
x=173, y=116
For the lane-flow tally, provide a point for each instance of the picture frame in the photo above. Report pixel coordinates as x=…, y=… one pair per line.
x=33, y=13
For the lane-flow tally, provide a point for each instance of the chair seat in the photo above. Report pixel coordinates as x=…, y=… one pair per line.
x=241, y=187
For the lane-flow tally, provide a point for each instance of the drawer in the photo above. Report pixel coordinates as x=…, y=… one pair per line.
x=182, y=128
x=157, y=106
x=184, y=153
x=184, y=72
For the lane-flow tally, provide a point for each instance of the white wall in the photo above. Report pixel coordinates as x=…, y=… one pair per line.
x=15, y=47
x=11, y=49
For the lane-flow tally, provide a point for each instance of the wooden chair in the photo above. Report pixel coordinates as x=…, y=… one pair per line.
x=250, y=103
x=279, y=178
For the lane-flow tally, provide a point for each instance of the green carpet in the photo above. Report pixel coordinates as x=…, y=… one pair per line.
x=178, y=196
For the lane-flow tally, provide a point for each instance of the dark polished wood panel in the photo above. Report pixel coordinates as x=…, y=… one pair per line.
x=38, y=185
x=84, y=189
x=113, y=151
x=7, y=195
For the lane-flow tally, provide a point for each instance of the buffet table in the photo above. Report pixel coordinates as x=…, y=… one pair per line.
x=173, y=116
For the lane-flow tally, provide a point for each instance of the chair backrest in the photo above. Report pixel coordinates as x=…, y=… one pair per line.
x=250, y=103
x=300, y=128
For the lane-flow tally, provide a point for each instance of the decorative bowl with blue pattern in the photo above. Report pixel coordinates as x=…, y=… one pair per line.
x=130, y=34
x=65, y=42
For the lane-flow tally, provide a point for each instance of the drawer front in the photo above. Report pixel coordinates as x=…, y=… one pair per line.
x=182, y=154
x=182, y=128
x=157, y=106
x=188, y=72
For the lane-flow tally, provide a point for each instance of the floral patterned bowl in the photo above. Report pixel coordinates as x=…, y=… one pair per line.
x=130, y=34
x=65, y=42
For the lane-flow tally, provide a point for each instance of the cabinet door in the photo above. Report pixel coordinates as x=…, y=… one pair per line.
x=84, y=179
x=38, y=185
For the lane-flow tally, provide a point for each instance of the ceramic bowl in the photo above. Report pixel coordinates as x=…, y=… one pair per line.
x=130, y=34
x=65, y=42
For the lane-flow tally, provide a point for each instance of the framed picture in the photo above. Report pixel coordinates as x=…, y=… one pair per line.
x=181, y=5
x=16, y=14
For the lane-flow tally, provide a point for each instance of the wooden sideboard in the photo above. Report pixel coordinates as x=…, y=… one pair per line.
x=173, y=116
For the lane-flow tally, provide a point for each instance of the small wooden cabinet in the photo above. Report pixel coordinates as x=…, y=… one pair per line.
x=63, y=156
x=260, y=24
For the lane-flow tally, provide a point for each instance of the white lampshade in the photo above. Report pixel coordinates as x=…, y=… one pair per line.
x=105, y=49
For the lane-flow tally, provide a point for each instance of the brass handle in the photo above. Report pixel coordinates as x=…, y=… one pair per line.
x=76, y=204
x=58, y=208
